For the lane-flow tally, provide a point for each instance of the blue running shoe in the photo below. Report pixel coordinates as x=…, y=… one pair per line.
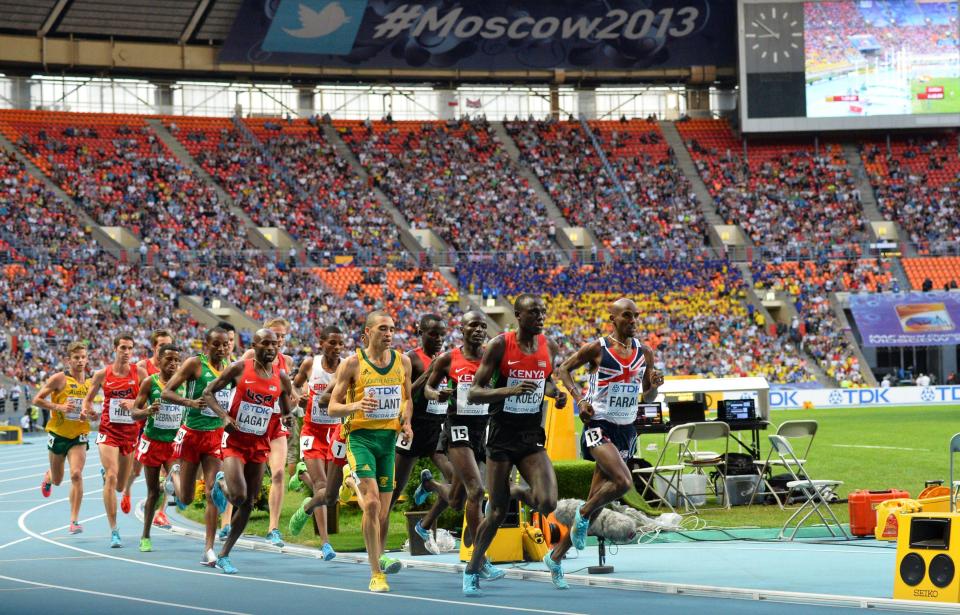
x=115, y=539
x=180, y=505
x=328, y=552
x=224, y=564
x=224, y=532
x=216, y=493
x=556, y=572
x=578, y=534
x=489, y=572
x=421, y=495
x=471, y=584
x=274, y=538
x=427, y=536
x=103, y=475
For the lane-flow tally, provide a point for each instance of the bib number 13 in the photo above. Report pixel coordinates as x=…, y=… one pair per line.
x=593, y=437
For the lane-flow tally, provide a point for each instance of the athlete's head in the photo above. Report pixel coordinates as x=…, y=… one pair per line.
x=474, y=328
x=266, y=345
x=624, y=314
x=433, y=330
x=217, y=345
x=76, y=356
x=379, y=330
x=231, y=333
x=168, y=360
x=280, y=328
x=331, y=343
x=531, y=313
x=157, y=339
x=123, y=347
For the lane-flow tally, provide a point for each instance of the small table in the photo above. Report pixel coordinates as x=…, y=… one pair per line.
x=754, y=427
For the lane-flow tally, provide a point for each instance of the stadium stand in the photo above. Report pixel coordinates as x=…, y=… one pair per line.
x=935, y=273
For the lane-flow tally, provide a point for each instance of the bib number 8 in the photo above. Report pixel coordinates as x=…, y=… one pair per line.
x=403, y=443
x=593, y=437
x=459, y=433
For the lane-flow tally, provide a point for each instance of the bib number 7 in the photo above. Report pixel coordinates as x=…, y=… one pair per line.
x=593, y=437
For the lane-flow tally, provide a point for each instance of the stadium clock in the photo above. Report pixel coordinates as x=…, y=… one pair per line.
x=773, y=37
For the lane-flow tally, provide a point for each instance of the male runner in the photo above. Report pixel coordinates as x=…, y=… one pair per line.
x=231, y=357
x=69, y=431
x=279, y=432
x=373, y=391
x=118, y=431
x=162, y=423
x=152, y=366
x=320, y=432
x=519, y=364
x=197, y=443
x=621, y=373
x=259, y=384
x=428, y=415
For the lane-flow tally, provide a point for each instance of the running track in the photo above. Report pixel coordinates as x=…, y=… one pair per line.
x=43, y=569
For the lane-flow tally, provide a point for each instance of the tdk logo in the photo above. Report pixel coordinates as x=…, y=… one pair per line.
x=315, y=26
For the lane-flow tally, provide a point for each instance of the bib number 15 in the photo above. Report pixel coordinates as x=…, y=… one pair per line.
x=459, y=433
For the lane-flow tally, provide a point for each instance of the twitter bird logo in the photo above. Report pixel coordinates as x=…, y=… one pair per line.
x=326, y=27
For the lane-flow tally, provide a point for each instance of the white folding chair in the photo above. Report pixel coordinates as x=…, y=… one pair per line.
x=791, y=430
x=699, y=460
x=810, y=488
x=670, y=473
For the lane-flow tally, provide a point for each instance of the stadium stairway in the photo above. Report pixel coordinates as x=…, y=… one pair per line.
x=556, y=216
x=254, y=234
x=106, y=242
x=838, y=310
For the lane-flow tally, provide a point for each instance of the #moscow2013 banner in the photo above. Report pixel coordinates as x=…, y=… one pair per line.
x=485, y=35
x=908, y=319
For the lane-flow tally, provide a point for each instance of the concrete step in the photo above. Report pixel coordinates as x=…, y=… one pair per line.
x=470, y=302
x=865, y=372
x=689, y=169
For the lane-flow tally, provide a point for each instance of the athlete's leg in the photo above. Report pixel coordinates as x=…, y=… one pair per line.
x=384, y=511
x=498, y=483
x=152, y=476
x=440, y=459
x=135, y=469
x=466, y=490
x=110, y=460
x=560, y=549
x=317, y=506
x=371, y=503
x=211, y=465
x=77, y=456
x=402, y=465
x=242, y=488
x=334, y=481
x=537, y=471
x=186, y=486
x=278, y=483
x=55, y=473
x=124, y=466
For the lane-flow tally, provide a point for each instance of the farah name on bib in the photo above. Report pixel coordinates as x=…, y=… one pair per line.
x=253, y=419
x=169, y=416
x=524, y=404
x=388, y=401
x=119, y=414
x=465, y=408
x=622, y=400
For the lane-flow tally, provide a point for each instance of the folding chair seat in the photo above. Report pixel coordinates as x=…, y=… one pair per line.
x=812, y=489
x=790, y=430
x=670, y=473
x=699, y=460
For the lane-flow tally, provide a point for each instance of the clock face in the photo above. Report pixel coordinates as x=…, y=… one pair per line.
x=773, y=37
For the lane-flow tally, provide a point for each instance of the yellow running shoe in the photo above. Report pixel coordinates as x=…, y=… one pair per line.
x=378, y=583
x=348, y=485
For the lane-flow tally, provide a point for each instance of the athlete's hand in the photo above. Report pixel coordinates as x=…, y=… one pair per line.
x=586, y=411
x=407, y=431
x=561, y=399
x=127, y=404
x=198, y=404
x=444, y=394
x=524, y=388
x=154, y=407
x=65, y=408
x=229, y=425
x=656, y=378
x=367, y=404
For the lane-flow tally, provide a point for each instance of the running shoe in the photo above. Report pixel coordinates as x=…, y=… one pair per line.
x=390, y=565
x=427, y=536
x=115, y=539
x=125, y=503
x=219, y=498
x=180, y=505
x=299, y=519
x=75, y=528
x=274, y=538
x=489, y=572
x=224, y=532
x=578, y=534
x=345, y=491
x=46, y=487
x=378, y=583
x=209, y=559
x=161, y=520
x=103, y=475
x=471, y=584
x=296, y=483
x=168, y=486
x=556, y=572
x=224, y=564
x=328, y=552
x=422, y=494
x=145, y=545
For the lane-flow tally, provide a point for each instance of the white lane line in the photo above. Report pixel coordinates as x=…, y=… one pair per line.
x=21, y=589
x=118, y=596
x=42, y=559
x=10, y=544
x=38, y=465
x=882, y=448
x=37, y=486
x=23, y=526
x=82, y=521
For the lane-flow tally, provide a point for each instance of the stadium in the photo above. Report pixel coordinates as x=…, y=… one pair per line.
x=738, y=220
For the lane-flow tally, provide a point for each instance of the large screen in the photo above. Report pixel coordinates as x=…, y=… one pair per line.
x=847, y=64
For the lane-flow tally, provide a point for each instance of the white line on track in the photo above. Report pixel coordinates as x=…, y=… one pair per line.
x=37, y=487
x=81, y=521
x=10, y=544
x=41, y=559
x=38, y=465
x=23, y=526
x=120, y=597
x=883, y=448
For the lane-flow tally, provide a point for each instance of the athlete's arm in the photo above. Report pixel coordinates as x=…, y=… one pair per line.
x=559, y=396
x=95, y=385
x=188, y=370
x=416, y=367
x=54, y=384
x=345, y=376
x=140, y=408
x=303, y=374
x=652, y=378
x=405, y=427
x=288, y=397
x=589, y=354
x=128, y=404
x=226, y=378
x=294, y=393
x=440, y=370
x=479, y=393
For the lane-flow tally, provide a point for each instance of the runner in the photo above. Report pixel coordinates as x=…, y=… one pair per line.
x=520, y=365
x=373, y=392
x=231, y=357
x=465, y=431
x=280, y=430
x=118, y=431
x=619, y=378
x=320, y=431
x=151, y=365
x=197, y=443
x=259, y=384
x=69, y=431
x=162, y=423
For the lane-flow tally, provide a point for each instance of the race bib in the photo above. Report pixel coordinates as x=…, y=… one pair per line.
x=223, y=440
x=403, y=442
x=524, y=404
x=223, y=398
x=144, y=447
x=181, y=434
x=622, y=400
x=50, y=441
x=168, y=417
x=593, y=437
x=459, y=433
x=436, y=406
x=101, y=438
x=76, y=407
x=82, y=438
x=119, y=414
x=306, y=443
x=253, y=418
x=463, y=389
x=388, y=399
x=339, y=450
x=318, y=413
